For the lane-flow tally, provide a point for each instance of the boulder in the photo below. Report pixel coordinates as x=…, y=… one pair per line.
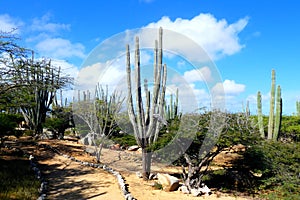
x=195, y=192
x=184, y=189
x=205, y=190
x=133, y=148
x=169, y=183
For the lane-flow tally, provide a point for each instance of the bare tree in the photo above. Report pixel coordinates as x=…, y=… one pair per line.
x=97, y=116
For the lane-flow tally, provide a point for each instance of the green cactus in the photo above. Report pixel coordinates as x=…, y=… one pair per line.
x=278, y=114
x=171, y=110
x=274, y=121
x=272, y=106
x=298, y=108
x=146, y=122
x=260, y=116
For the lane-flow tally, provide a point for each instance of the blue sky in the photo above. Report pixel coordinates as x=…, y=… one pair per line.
x=245, y=39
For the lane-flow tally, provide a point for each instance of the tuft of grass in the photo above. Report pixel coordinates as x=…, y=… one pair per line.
x=157, y=186
x=17, y=180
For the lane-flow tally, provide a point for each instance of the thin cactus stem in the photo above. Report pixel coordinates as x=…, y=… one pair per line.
x=130, y=108
x=278, y=114
x=272, y=106
x=298, y=108
x=260, y=116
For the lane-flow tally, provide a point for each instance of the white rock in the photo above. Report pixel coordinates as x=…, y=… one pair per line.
x=195, y=192
x=133, y=148
x=169, y=183
x=139, y=174
x=205, y=190
x=184, y=189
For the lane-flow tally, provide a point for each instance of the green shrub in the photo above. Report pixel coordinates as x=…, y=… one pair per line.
x=8, y=123
x=279, y=165
x=124, y=140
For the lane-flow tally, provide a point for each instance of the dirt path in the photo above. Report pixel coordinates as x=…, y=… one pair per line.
x=68, y=179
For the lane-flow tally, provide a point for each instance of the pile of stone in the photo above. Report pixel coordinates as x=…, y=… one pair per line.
x=38, y=175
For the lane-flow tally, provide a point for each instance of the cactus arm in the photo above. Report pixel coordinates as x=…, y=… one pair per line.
x=130, y=108
x=139, y=107
x=259, y=116
x=161, y=101
x=272, y=102
x=278, y=115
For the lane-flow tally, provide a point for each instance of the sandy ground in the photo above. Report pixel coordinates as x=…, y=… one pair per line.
x=70, y=180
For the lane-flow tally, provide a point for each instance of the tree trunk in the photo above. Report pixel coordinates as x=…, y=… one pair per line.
x=146, y=162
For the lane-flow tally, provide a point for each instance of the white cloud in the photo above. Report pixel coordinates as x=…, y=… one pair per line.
x=230, y=87
x=60, y=48
x=203, y=74
x=88, y=76
x=7, y=24
x=44, y=24
x=216, y=37
x=66, y=67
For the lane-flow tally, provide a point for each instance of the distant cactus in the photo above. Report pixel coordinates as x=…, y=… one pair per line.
x=260, y=116
x=298, y=108
x=171, y=110
x=274, y=124
x=278, y=114
x=272, y=106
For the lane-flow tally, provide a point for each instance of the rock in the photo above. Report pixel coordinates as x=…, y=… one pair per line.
x=152, y=176
x=139, y=174
x=195, y=192
x=90, y=150
x=133, y=148
x=205, y=190
x=115, y=147
x=89, y=139
x=169, y=183
x=184, y=189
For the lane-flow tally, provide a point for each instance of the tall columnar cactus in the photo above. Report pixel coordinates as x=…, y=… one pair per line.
x=260, y=116
x=298, y=108
x=278, y=114
x=272, y=106
x=171, y=110
x=146, y=122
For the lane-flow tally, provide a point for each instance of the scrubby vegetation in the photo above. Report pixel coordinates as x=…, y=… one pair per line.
x=268, y=164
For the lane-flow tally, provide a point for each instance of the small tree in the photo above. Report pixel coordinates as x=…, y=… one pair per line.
x=40, y=81
x=97, y=117
x=236, y=129
x=33, y=83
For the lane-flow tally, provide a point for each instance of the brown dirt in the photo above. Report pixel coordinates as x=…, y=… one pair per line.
x=69, y=180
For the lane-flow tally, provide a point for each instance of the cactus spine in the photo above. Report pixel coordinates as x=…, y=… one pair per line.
x=278, y=114
x=260, y=116
x=146, y=122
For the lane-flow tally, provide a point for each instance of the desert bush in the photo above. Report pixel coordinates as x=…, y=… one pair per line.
x=290, y=128
x=279, y=166
x=8, y=123
x=124, y=140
